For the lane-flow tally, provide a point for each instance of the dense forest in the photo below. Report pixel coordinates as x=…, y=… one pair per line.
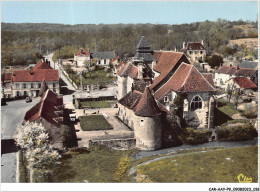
x=24, y=43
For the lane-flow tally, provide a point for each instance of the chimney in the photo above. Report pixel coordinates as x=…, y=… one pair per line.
x=183, y=45
x=31, y=72
x=202, y=42
x=140, y=71
x=175, y=50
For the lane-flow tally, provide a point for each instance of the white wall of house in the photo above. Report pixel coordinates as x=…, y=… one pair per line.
x=197, y=118
x=31, y=88
x=129, y=85
x=122, y=86
x=220, y=79
x=195, y=55
x=81, y=60
x=104, y=62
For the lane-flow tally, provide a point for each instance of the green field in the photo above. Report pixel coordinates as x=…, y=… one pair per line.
x=94, y=123
x=97, y=164
x=96, y=104
x=213, y=166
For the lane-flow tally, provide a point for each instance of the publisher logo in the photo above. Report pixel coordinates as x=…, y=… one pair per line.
x=244, y=179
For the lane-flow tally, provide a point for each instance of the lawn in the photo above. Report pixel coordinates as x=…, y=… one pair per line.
x=213, y=166
x=99, y=76
x=96, y=104
x=94, y=123
x=97, y=164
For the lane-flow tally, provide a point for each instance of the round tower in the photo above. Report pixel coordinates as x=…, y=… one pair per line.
x=147, y=122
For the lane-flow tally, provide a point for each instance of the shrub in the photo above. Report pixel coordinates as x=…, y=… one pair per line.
x=193, y=137
x=221, y=103
x=236, y=133
x=250, y=113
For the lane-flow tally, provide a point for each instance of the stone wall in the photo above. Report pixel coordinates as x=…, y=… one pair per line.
x=123, y=144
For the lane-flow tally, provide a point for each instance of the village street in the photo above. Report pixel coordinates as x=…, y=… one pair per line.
x=12, y=116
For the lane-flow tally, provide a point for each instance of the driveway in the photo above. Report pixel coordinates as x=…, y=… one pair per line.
x=12, y=115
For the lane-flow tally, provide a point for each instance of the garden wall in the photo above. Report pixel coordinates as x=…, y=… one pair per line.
x=124, y=144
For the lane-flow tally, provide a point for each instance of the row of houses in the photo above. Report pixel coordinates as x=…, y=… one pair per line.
x=28, y=82
x=102, y=58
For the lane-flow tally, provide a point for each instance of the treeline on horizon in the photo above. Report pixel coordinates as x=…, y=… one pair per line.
x=25, y=43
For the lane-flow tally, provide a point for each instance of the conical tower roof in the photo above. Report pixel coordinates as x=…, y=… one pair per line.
x=44, y=88
x=147, y=106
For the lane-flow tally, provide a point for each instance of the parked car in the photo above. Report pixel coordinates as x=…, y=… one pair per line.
x=28, y=99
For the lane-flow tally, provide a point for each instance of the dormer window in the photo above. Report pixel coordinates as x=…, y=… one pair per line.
x=201, y=47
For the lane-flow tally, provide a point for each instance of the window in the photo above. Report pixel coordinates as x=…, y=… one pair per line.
x=190, y=52
x=141, y=122
x=196, y=52
x=17, y=85
x=32, y=85
x=201, y=52
x=196, y=103
x=54, y=90
x=105, y=61
x=166, y=99
x=39, y=85
x=24, y=85
x=54, y=85
x=25, y=93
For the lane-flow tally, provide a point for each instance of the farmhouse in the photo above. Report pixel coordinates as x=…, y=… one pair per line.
x=194, y=50
x=81, y=57
x=224, y=73
x=103, y=58
x=241, y=84
x=28, y=83
x=48, y=112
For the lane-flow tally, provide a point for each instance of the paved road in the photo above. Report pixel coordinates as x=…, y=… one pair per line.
x=226, y=144
x=12, y=115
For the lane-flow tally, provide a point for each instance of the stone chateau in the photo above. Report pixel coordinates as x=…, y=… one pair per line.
x=148, y=86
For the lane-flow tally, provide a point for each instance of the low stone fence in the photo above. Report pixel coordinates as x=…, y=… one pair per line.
x=70, y=80
x=122, y=144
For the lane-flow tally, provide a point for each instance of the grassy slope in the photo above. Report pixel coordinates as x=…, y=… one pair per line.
x=98, y=164
x=94, y=122
x=205, y=167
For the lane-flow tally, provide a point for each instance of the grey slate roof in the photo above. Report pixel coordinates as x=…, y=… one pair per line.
x=104, y=55
x=249, y=64
x=147, y=56
x=143, y=43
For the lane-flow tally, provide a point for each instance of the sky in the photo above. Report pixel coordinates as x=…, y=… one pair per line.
x=112, y=12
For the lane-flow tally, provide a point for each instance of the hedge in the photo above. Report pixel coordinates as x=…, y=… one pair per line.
x=192, y=137
x=236, y=133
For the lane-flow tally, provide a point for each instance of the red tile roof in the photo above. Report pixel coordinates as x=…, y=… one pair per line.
x=244, y=72
x=114, y=59
x=46, y=109
x=244, y=82
x=41, y=65
x=131, y=99
x=186, y=79
x=156, y=55
x=6, y=77
x=194, y=46
x=147, y=106
x=84, y=53
x=120, y=64
x=167, y=61
x=128, y=70
x=36, y=75
x=209, y=78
